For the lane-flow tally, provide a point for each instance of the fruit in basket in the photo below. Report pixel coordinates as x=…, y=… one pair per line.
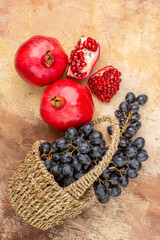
x=83, y=58
x=40, y=60
x=66, y=103
x=105, y=83
x=74, y=154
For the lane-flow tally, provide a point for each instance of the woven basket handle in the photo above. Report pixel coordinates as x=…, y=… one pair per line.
x=77, y=188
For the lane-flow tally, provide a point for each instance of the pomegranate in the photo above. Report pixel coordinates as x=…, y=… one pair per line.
x=83, y=58
x=105, y=83
x=40, y=60
x=66, y=103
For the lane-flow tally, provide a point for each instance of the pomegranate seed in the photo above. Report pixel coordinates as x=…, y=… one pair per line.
x=89, y=44
x=73, y=63
x=94, y=47
x=89, y=39
x=73, y=69
x=105, y=86
x=75, y=57
x=81, y=54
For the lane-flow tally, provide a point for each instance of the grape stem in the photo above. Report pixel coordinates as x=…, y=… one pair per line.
x=129, y=117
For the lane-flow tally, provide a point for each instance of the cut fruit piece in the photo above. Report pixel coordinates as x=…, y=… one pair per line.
x=83, y=58
x=105, y=83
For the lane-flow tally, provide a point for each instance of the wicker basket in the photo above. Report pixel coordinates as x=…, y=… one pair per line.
x=38, y=198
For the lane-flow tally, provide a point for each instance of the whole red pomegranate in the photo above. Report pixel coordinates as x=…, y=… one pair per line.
x=40, y=60
x=66, y=103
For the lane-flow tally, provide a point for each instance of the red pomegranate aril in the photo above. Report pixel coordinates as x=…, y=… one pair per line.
x=105, y=83
x=75, y=57
x=74, y=69
x=86, y=53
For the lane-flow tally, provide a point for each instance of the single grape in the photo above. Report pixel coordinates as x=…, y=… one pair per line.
x=96, y=151
x=83, y=159
x=118, y=113
x=56, y=169
x=120, y=161
x=132, y=173
x=115, y=191
x=131, y=151
x=122, y=143
x=105, y=174
x=136, y=124
x=142, y=155
x=48, y=164
x=124, y=107
x=54, y=147
x=114, y=179
x=71, y=134
x=102, y=143
x=142, y=99
x=134, y=108
x=87, y=129
x=56, y=157
x=104, y=199
x=76, y=165
x=77, y=141
x=139, y=143
x=62, y=143
x=109, y=130
x=84, y=147
x=95, y=137
x=135, y=117
x=66, y=157
x=130, y=132
x=67, y=170
x=123, y=181
x=45, y=148
x=130, y=97
x=134, y=163
x=100, y=190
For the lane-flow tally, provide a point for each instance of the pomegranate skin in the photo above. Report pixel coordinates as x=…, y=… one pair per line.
x=77, y=105
x=40, y=60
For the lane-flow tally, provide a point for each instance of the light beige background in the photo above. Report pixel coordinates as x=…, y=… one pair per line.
x=129, y=34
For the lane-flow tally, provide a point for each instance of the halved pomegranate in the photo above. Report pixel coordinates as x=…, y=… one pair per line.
x=105, y=83
x=83, y=58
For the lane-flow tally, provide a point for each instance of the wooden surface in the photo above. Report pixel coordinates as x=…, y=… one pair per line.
x=129, y=34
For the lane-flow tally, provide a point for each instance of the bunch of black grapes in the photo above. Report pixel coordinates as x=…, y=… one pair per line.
x=69, y=158
x=127, y=160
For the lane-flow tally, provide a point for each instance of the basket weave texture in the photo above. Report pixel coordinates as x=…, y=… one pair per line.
x=38, y=198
